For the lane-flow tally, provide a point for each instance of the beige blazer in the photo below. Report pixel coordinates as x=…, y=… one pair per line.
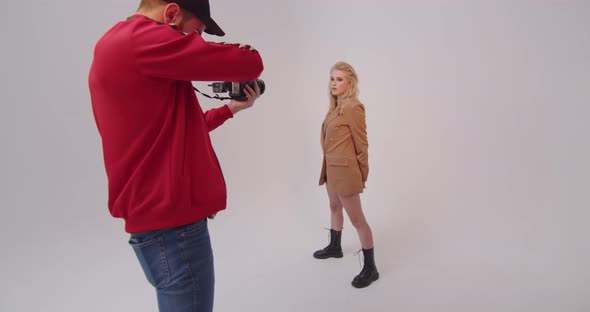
x=345, y=167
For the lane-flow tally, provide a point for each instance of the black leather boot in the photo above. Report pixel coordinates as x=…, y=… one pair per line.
x=369, y=272
x=333, y=250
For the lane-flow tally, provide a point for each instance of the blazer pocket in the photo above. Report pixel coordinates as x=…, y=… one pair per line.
x=338, y=162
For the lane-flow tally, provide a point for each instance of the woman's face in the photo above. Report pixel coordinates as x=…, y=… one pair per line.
x=338, y=83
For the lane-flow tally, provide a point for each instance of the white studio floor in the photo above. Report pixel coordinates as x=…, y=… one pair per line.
x=430, y=258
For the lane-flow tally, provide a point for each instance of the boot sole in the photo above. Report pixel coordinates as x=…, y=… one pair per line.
x=330, y=256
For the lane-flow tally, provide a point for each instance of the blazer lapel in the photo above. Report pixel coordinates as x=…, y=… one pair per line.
x=331, y=117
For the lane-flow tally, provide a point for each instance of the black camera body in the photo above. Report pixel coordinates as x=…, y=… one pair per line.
x=236, y=89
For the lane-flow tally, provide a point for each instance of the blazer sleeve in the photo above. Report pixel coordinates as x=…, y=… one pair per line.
x=358, y=129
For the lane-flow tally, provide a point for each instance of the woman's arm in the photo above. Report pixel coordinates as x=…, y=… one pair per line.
x=358, y=129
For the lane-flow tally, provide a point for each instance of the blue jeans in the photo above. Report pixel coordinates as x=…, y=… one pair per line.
x=178, y=262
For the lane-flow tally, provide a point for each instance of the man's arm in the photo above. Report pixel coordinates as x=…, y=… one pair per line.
x=163, y=52
x=217, y=116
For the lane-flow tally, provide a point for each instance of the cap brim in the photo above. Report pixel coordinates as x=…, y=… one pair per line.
x=212, y=28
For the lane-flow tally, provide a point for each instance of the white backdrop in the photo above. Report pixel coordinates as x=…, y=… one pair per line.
x=477, y=117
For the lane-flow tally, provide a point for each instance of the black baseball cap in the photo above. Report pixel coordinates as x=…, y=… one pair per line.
x=200, y=8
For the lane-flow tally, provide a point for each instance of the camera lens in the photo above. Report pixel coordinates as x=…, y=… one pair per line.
x=261, y=85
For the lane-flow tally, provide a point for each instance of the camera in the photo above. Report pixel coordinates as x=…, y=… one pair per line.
x=236, y=89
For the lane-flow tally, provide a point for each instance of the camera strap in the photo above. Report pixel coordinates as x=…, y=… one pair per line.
x=217, y=97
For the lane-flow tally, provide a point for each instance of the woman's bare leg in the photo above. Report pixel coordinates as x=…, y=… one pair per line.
x=352, y=205
x=336, y=216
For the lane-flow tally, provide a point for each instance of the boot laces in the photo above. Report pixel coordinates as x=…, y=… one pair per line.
x=329, y=232
x=359, y=257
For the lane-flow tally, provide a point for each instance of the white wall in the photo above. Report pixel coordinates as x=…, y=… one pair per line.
x=477, y=115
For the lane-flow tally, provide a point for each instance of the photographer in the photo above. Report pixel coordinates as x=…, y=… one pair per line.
x=164, y=178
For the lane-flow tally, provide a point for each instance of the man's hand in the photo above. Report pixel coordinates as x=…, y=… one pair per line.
x=251, y=95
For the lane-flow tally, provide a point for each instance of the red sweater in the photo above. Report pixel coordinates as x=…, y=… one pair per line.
x=162, y=170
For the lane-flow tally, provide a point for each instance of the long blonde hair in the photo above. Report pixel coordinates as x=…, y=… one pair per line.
x=351, y=95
